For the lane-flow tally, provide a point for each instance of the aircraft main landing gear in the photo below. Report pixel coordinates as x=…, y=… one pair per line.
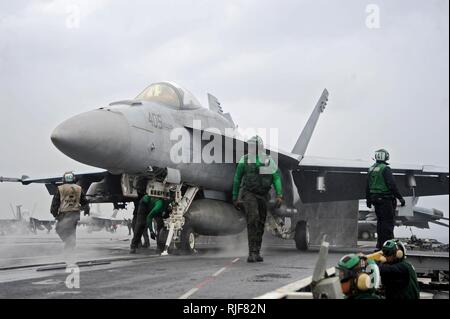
x=302, y=235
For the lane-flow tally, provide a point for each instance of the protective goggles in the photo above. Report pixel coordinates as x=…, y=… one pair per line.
x=345, y=274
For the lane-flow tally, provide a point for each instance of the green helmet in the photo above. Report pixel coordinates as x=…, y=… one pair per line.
x=382, y=155
x=393, y=247
x=346, y=266
x=363, y=273
x=256, y=140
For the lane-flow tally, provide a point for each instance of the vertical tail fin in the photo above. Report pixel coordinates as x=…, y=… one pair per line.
x=214, y=104
x=304, y=138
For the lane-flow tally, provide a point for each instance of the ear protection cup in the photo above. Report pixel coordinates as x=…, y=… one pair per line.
x=363, y=282
x=399, y=254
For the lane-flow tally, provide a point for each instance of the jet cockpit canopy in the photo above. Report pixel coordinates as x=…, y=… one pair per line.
x=171, y=94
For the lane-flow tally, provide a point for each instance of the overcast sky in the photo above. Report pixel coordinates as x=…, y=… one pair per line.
x=266, y=61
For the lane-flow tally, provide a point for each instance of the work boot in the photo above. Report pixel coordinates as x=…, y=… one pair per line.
x=258, y=257
x=251, y=258
x=132, y=250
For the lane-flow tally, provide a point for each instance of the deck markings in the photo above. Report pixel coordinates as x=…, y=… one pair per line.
x=221, y=270
x=207, y=280
x=47, y=282
x=189, y=293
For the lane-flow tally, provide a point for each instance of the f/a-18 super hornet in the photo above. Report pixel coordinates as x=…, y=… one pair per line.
x=180, y=150
x=24, y=222
x=95, y=221
x=414, y=216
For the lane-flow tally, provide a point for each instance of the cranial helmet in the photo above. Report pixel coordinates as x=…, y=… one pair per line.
x=68, y=177
x=256, y=140
x=353, y=268
x=382, y=155
x=395, y=248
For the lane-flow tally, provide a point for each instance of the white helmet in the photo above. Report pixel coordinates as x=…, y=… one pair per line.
x=256, y=140
x=68, y=177
x=382, y=155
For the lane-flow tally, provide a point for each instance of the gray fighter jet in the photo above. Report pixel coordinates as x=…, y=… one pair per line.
x=134, y=141
x=419, y=217
x=24, y=222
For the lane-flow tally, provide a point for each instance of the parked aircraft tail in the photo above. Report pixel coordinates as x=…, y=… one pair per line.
x=304, y=138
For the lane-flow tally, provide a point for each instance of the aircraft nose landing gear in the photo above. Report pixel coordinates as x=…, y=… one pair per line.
x=183, y=243
x=179, y=230
x=186, y=243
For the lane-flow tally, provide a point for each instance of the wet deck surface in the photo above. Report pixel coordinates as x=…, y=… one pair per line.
x=218, y=270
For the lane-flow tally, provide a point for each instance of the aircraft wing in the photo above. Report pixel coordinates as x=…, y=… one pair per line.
x=84, y=180
x=421, y=224
x=346, y=179
x=439, y=223
x=239, y=147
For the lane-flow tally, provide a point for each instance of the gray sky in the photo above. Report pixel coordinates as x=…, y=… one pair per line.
x=266, y=61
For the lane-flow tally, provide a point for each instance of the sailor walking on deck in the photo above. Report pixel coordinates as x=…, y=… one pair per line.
x=66, y=205
x=258, y=172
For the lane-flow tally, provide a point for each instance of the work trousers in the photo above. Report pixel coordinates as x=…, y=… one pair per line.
x=385, y=212
x=66, y=228
x=255, y=207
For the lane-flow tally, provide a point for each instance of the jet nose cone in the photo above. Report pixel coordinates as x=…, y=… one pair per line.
x=99, y=138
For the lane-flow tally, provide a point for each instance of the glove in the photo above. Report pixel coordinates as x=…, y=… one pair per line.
x=237, y=204
x=369, y=203
x=152, y=235
x=278, y=201
x=402, y=202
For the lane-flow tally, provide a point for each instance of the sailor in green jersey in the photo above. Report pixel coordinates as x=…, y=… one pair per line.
x=382, y=192
x=398, y=276
x=359, y=277
x=149, y=208
x=255, y=174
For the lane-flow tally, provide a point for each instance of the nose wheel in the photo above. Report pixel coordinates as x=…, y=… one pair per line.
x=185, y=244
x=187, y=240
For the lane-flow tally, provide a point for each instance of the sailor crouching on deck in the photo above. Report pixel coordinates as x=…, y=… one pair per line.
x=398, y=276
x=149, y=208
